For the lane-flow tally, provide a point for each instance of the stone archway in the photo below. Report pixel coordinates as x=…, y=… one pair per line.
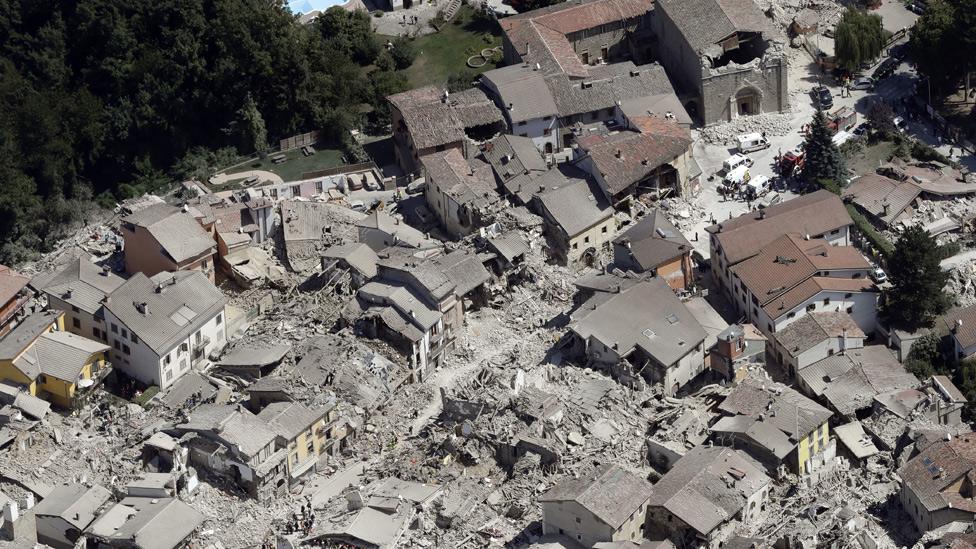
x=747, y=102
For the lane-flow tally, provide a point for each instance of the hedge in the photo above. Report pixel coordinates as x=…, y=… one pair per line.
x=864, y=225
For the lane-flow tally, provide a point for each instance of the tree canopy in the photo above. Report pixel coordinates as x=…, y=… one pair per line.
x=943, y=41
x=105, y=97
x=823, y=160
x=859, y=37
x=918, y=292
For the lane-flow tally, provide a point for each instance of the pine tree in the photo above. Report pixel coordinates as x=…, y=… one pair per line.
x=918, y=279
x=822, y=157
x=252, y=127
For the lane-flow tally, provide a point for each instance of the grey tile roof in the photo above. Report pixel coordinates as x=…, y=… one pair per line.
x=780, y=406
x=961, y=323
x=523, y=91
x=63, y=355
x=404, y=234
x=76, y=504
x=148, y=523
x=403, y=300
x=576, y=207
x=708, y=486
x=605, y=85
x=180, y=236
x=468, y=183
x=26, y=332
x=646, y=315
x=303, y=220
x=231, y=423
x=527, y=186
x=251, y=355
x=24, y=401
x=358, y=255
x=509, y=245
x=511, y=156
x=290, y=419
x=178, y=304
x=80, y=283
x=610, y=492
x=357, y=374
x=654, y=240
x=706, y=22
x=851, y=381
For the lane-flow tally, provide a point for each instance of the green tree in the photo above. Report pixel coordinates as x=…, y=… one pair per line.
x=461, y=80
x=926, y=357
x=918, y=292
x=822, y=157
x=935, y=43
x=882, y=120
x=404, y=53
x=859, y=37
x=254, y=134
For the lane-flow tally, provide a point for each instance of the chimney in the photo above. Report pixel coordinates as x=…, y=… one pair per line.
x=885, y=206
x=105, y=270
x=67, y=293
x=186, y=208
x=447, y=95
x=538, y=67
x=528, y=49
x=143, y=307
x=958, y=326
x=511, y=106
x=620, y=154
x=107, y=299
x=762, y=213
x=11, y=512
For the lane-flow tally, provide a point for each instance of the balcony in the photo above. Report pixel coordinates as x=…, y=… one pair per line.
x=199, y=348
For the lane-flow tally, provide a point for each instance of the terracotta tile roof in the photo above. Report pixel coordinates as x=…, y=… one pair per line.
x=813, y=286
x=626, y=158
x=654, y=240
x=540, y=36
x=933, y=475
x=882, y=197
x=807, y=331
x=814, y=214
x=11, y=283
x=789, y=260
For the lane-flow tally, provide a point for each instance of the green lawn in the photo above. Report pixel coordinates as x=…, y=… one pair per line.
x=444, y=53
x=867, y=161
x=297, y=164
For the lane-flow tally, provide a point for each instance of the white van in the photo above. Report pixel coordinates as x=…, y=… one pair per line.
x=735, y=161
x=737, y=176
x=842, y=137
x=749, y=142
x=756, y=187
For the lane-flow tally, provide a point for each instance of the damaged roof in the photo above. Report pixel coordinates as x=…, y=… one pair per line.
x=467, y=182
x=513, y=155
x=934, y=476
x=610, y=492
x=704, y=23
x=357, y=255
x=806, y=332
x=76, y=504
x=233, y=424
x=961, y=323
x=708, y=486
x=773, y=407
x=576, y=207
x=653, y=240
x=435, y=117
x=883, y=198
x=290, y=419
x=628, y=157
x=148, y=523
x=851, y=381
x=646, y=315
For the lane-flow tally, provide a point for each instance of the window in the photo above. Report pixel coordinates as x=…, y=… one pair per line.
x=811, y=307
x=586, y=239
x=115, y=329
x=204, y=264
x=522, y=123
x=294, y=459
x=848, y=295
x=75, y=309
x=183, y=365
x=309, y=445
x=168, y=358
x=850, y=309
x=547, y=118
x=575, y=245
x=134, y=338
x=76, y=323
x=835, y=231
x=220, y=318
x=43, y=379
x=547, y=132
x=125, y=349
x=790, y=314
x=97, y=333
x=184, y=347
x=318, y=186
x=117, y=346
x=578, y=520
x=603, y=230
x=523, y=135
x=274, y=193
x=125, y=333
x=826, y=301
x=296, y=190
x=169, y=375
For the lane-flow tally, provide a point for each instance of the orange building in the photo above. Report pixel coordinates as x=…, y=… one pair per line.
x=653, y=244
x=13, y=296
x=164, y=238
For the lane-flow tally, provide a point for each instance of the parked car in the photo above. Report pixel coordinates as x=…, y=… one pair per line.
x=885, y=69
x=918, y=8
x=862, y=83
x=879, y=276
x=900, y=124
x=735, y=161
x=822, y=97
x=862, y=130
x=899, y=51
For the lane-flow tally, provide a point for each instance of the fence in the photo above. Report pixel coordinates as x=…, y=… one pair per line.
x=297, y=141
x=348, y=168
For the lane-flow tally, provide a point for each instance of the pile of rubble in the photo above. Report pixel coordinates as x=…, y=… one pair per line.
x=771, y=124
